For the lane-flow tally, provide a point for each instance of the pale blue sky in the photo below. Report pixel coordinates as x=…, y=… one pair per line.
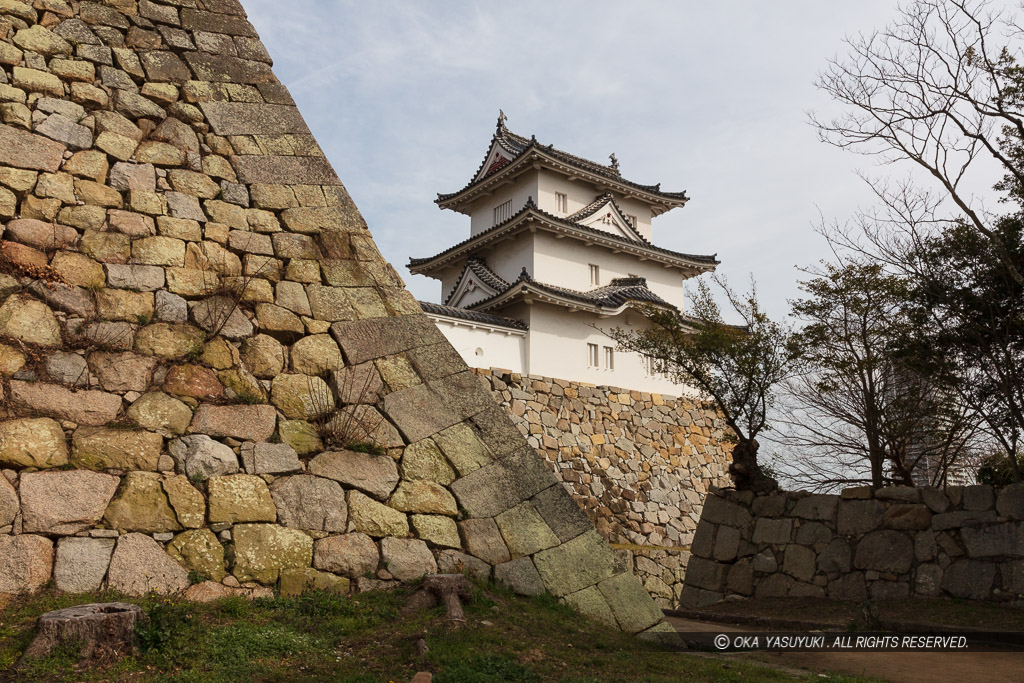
x=706, y=97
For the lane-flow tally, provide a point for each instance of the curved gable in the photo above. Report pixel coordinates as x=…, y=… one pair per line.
x=496, y=159
x=476, y=283
x=604, y=214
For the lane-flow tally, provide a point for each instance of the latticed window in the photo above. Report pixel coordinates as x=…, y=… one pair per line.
x=503, y=212
x=595, y=275
x=609, y=358
x=562, y=202
x=655, y=367
x=592, y=355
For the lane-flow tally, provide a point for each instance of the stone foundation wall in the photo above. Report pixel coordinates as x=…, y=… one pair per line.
x=639, y=464
x=208, y=370
x=964, y=542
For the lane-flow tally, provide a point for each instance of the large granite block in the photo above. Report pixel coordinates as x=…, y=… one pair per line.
x=246, y=118
x=284, y=170
x=363, y=340
x=577, y=564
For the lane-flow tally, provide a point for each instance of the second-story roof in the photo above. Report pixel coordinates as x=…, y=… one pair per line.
x=609, y=300
x=530, y=217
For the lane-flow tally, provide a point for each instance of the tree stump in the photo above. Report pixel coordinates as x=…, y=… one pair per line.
x=746, y=474
x=446, y=588
x=102, y=630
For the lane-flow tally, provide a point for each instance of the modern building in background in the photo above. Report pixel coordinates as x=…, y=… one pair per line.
x=560, y=249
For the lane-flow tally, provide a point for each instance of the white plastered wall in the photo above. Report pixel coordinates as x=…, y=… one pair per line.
x=558, y=348
x=485, y=346
x=580, y=193
x=565, y=262
x=482, y=213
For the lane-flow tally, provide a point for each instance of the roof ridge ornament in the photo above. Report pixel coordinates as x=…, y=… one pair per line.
x=523, y=275
x=615, y=161
x=501, y=119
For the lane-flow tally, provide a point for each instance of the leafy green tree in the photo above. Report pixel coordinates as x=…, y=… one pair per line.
x=999, y=469
x=736, y=367
x=941, y=90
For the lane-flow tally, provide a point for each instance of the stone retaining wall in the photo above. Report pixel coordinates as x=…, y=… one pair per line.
x=965, y=542
x=208, y=370
x=639, y=464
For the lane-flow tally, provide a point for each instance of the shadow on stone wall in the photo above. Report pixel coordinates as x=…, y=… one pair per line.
x=964, y=542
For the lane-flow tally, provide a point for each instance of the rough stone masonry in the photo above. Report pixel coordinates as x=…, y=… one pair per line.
x=964, y=542
x=639, y=464
x=195, y=324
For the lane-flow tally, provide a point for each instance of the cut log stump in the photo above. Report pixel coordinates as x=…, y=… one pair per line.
x=102, y=630
x=446, y=588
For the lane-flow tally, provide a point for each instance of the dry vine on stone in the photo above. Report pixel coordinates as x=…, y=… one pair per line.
x=232, y=293
x=349, y=427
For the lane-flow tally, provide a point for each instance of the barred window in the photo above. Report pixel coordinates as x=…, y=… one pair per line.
x=503, y=212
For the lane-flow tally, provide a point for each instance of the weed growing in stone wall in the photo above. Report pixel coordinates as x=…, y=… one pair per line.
x=224, y=297
x=352, y=427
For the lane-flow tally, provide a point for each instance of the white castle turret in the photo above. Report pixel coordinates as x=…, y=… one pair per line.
x=559, y=249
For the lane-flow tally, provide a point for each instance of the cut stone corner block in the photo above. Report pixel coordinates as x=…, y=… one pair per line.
x=632, y=605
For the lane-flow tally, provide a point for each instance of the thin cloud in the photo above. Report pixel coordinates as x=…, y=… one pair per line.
x=706, y=97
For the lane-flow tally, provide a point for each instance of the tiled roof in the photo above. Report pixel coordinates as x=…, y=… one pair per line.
x=619, y=293
x=517, y=145
x=626, y=289
x=472, y=316
x=558, y=221
x=485, y=274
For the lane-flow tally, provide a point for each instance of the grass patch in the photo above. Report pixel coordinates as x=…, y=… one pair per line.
x=328, y=637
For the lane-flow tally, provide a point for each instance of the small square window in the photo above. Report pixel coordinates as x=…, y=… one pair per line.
x=561, y=202
x=595, y=275
x=592, y=355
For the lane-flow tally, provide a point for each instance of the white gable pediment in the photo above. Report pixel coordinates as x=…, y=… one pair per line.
x=469, y=289
x=609, y=219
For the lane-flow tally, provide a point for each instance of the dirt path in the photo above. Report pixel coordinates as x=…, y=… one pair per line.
x=899, y=667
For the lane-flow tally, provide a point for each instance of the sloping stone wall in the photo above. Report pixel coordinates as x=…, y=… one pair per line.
x=964, y=542
x=639, y=464
x=208, y=368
